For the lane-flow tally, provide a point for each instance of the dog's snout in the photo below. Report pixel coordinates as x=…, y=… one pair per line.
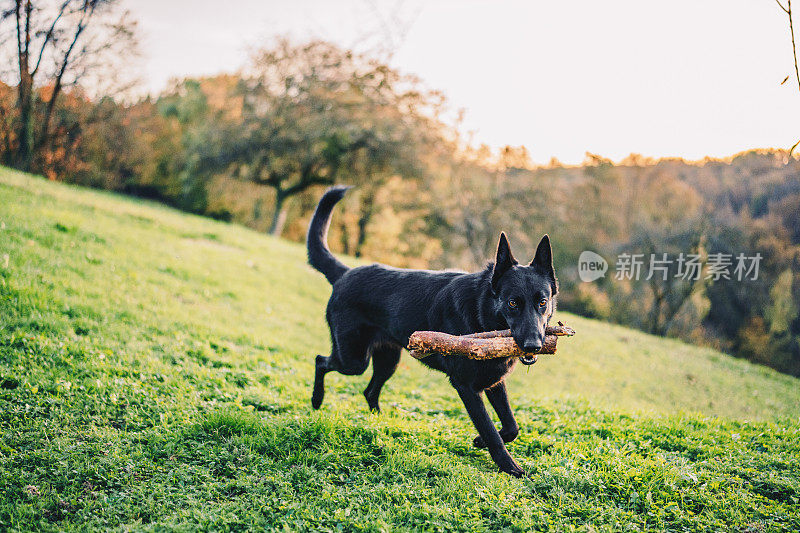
x=532, y=346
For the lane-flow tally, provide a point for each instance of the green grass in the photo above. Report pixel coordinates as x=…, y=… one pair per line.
x=155, y=373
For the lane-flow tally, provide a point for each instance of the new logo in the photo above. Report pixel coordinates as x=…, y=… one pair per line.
x=591, y=266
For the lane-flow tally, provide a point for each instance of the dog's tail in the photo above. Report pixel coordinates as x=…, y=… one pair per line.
x=319, y=256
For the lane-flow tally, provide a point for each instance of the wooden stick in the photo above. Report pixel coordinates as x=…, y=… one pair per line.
x=560, y=330
x=484, y=345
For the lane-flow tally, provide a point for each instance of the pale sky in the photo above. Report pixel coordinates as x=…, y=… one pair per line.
x=684, y=78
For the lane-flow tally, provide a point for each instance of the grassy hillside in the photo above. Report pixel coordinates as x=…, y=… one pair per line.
x=155, y=370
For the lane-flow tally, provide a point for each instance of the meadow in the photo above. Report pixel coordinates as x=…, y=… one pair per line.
x=155, y=373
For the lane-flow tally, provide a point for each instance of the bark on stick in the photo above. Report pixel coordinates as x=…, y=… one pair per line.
x=484, y=345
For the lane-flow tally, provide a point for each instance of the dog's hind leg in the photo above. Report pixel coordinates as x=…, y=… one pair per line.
x=385, y=358
x=349, y=357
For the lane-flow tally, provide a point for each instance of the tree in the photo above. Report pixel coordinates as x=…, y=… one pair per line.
x=669, y=291
x=210, y=128
x=782, y=311
x=128, y=148
x=313, y=114
x=51, y=46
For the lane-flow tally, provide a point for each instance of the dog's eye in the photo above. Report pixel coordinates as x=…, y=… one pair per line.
x=512, y=303
x=543, y=302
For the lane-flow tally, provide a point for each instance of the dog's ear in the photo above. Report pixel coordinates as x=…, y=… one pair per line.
x=503, y=261
x=543, y=259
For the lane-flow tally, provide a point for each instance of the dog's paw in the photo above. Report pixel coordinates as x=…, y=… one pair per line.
x=513, y=469
x=316, y=402
x=318, y=394
x=509, y=436
x=317, y=397
x=478, y=442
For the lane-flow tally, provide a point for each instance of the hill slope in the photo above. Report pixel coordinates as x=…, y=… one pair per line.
x=155, y=370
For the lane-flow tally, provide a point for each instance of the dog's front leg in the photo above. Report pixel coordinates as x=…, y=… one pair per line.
x=498, y=397
x=487, y=431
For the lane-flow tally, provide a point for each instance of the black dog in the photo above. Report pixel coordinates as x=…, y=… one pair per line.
x=374, y=309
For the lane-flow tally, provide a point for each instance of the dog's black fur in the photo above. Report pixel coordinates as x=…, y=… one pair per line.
x=374, y=309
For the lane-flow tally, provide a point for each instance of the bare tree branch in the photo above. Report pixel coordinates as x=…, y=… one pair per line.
x=88, y=11
x=49, y=36
x=788, y=11
x=794, y=47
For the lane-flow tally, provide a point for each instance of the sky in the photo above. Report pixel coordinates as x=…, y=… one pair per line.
x=686, y=78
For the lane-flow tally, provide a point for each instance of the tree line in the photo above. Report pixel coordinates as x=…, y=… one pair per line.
x=258, y=146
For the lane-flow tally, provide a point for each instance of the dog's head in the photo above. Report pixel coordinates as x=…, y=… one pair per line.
x=525, y=295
